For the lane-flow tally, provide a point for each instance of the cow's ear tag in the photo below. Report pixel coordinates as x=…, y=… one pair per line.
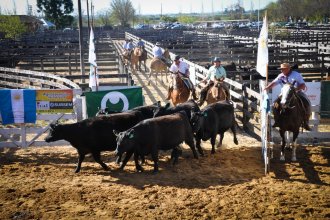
x=131, y=135
x=205, y=114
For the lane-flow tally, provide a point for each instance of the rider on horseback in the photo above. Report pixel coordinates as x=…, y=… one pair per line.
x=128, y=48
x=181, y=68
x=216, y=73
x=158, y=52
x=140, y=44
x=290, y=76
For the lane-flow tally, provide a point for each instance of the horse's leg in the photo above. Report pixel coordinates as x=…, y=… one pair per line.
x=145, y=66
x=294, y=141
x=282, y=133
x=150, y=74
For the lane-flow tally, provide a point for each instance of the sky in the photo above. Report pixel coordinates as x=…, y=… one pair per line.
x=146, y=7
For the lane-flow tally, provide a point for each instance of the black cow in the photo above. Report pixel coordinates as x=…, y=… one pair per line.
x=147, y=111
x=151, y=135
x=187, y=106
x=214, y=119
x=93, y=135
x=167, y=110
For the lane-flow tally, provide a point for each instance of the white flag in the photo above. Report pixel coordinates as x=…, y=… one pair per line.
x=262, y=58
x=93, y=76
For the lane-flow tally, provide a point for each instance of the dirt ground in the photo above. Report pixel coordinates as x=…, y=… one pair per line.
x=39, y=183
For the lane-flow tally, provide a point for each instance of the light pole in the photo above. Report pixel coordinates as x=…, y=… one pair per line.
x=82, y=66
x=258, y=14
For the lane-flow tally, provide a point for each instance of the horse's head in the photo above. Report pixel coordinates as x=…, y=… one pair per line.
x=166, y=54
x=287, y=92
x=138, y=51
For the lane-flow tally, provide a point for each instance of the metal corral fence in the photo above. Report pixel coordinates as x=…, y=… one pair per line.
x=246, y=100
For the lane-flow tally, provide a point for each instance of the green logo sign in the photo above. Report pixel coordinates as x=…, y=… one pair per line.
x=115, y=100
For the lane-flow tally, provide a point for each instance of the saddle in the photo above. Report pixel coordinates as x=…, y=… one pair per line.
x=186, y=81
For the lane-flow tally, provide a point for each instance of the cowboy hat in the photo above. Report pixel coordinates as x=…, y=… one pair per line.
x=177, y=57
x=157, y=44
x=216, y=59
x=285, y=66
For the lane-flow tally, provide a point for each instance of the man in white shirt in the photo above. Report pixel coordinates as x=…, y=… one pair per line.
x=181, y=68
x=288, y=75
x=157, y=51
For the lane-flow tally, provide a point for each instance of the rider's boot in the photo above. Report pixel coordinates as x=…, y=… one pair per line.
x=193, y=93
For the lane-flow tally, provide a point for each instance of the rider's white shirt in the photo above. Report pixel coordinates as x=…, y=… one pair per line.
x=157, y=52
x=182, y=68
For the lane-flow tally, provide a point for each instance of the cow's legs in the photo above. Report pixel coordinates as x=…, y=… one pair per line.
x=222, y=135
x=233, y=129
x=126, y=158
x=80, y=160
x=191, y=144
x=294, y=140
x=136, y=160
x=154, y=155
x=118, y=160
x=176, y=152
x=198, y=146
x=282, y=133
x=213, y=143
x=97, y=158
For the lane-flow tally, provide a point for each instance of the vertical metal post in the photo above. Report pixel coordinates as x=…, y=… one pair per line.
x=89, y=28
x=258, y=14
x=82, y=66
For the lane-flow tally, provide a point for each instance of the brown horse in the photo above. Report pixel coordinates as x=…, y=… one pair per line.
x=180, y=92
x=143, y=58
x=216, y=93
x=132, y=58
x=158, y=66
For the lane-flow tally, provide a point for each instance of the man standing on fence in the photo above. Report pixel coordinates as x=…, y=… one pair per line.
x=288, y=75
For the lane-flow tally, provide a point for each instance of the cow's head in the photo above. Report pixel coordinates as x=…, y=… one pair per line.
x=197, y=120
x=125, y=141
x=161, y=110
x=55, y=133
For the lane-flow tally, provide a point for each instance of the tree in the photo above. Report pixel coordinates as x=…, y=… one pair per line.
x=12, y=26
x=57, y=11
x=312, y=10
x=122, y=11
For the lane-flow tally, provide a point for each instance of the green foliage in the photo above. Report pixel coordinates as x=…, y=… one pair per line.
x=11, y=26
x=122, y=11
x=57, y=11
x=168, y=19
x=310, y=10
x=187, y=19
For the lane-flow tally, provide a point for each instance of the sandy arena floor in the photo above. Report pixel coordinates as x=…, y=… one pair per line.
x=39, y=183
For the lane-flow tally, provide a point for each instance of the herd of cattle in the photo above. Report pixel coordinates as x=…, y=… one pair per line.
x=145, y=130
